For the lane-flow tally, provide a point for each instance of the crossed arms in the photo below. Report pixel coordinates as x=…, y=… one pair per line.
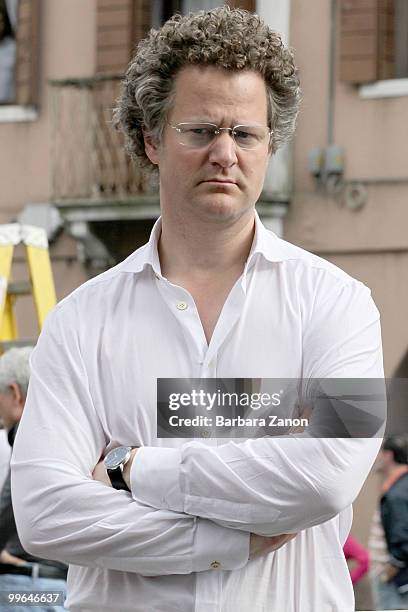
x=190, y=505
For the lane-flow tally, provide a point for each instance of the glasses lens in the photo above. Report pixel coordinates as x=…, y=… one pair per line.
x=196, y=135
x=249, y=136
x=200, y=135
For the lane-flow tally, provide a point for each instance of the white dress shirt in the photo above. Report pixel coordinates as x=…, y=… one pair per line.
x=181, y=543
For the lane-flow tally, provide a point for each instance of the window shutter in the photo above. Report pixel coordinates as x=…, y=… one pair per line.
x=248, y=5
x=113, y=35
x=141, y=21
x=120, y=25
x=27, y=59
x=386, y=40
x=366, y=40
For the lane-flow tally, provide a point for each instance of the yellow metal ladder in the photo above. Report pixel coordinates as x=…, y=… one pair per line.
x=40, y=285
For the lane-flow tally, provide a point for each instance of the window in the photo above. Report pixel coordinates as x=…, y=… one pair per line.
x=8, y=48
x=373, y=37
x=198, y=5
x=19, y=22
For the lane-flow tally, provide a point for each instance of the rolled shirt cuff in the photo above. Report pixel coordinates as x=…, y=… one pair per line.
x=155, y=478
x=219, y=548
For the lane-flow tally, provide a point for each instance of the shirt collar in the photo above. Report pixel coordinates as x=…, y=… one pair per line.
x=265, y=243
x=147, y=255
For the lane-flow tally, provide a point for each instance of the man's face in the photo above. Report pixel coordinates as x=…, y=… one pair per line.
x=8, y=407
x=220, y=182
x=11, y=405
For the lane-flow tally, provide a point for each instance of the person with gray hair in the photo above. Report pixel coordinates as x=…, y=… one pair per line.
x=198, y=525
x=15, y=372
x=19, y=570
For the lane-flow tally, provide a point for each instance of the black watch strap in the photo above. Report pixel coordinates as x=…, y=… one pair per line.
x=116, y=478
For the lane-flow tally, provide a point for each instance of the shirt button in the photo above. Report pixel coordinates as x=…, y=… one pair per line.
x=215, y=565
x=182, y=305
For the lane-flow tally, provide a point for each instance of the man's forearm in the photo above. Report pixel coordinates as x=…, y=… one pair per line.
x=106, y=528
x=258, y=546
x=262, y=486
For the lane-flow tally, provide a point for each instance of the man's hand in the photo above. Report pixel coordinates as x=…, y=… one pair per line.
x=101, y=474
x=389, y=572
x=262, y=545
x=6, y=557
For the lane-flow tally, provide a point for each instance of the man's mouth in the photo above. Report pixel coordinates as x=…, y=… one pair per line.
x=220, y=181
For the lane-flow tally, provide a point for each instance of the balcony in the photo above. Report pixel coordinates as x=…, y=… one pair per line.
x=88, y=158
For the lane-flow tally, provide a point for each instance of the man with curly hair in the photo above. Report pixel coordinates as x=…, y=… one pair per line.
x=206, y=525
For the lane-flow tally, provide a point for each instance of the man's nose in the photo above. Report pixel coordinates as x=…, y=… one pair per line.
x=223, y=150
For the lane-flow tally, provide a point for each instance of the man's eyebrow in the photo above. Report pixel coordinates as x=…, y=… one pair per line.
x=197, y=120
x=232, y=123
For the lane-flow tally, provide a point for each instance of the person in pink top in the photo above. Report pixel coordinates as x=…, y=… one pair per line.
x=354, y=550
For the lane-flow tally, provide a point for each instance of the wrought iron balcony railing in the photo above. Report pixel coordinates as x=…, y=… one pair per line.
x=88, y=158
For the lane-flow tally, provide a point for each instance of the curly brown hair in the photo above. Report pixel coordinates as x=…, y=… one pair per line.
x=232, y=39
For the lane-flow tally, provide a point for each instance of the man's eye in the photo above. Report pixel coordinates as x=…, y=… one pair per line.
x=200, y=131
x=243, y=135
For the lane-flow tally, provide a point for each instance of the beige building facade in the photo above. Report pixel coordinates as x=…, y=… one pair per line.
x=370, y=123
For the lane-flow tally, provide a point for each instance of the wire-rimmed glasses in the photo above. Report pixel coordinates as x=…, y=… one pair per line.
x=200, y=135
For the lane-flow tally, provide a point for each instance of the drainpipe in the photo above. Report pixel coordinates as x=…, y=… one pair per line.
x=332, y=73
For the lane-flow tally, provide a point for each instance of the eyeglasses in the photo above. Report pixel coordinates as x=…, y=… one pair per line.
x=200, y=135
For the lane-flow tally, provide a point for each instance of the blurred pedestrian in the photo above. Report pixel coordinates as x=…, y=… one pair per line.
x=20, y=571
x=391, y=586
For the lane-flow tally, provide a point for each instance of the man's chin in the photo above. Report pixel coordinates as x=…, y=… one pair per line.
x=219, y=209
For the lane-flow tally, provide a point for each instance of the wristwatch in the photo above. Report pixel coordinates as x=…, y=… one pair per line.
x=115, y=462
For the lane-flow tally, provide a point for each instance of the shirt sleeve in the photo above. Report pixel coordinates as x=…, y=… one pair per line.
x=271, y=486
x=61, y=513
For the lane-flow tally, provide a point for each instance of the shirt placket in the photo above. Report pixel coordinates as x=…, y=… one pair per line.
x=182, y=306
x=204, y=360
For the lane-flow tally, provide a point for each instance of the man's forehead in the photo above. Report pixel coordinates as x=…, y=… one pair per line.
x=208, y=73
x=203, y=89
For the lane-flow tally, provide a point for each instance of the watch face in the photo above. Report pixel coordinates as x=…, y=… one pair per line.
x=116, y=457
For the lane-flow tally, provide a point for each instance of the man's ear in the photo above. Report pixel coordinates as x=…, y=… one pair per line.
x=17, y=394
x=150, y=148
